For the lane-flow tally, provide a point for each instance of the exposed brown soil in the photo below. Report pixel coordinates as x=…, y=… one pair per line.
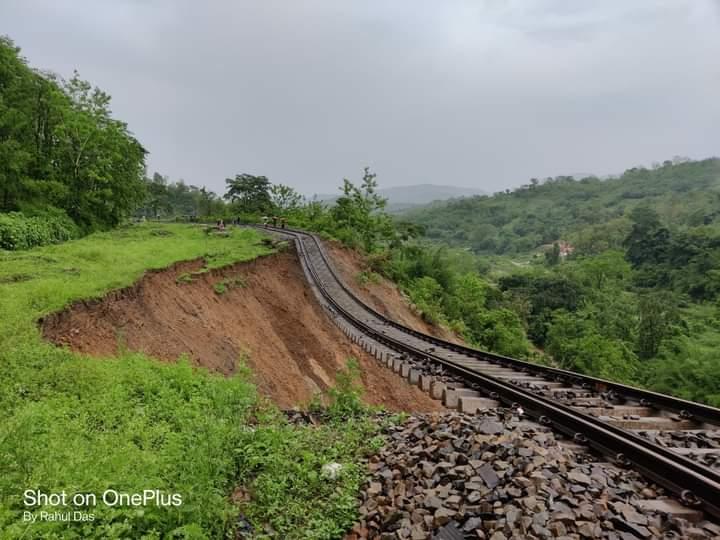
x=270, y=317
x=383, y=295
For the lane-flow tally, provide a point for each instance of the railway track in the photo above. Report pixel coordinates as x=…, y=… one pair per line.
x=674, y=442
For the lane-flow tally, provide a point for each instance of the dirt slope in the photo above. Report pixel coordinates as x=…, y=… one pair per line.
x=270, y=318
x=384, y=296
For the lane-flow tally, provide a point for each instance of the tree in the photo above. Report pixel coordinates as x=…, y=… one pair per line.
x=658, y=316
x=552, y=256
x=360, y=215
x=60, y=147
x=102, y=164
x=251, y=193
x=158, y=200
x=285, y=198
x=648, y=239
x=576, y=344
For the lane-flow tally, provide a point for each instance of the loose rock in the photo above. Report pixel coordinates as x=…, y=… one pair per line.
x=491, y=476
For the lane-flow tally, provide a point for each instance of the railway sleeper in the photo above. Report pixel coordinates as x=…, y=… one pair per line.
x=649, y=422
x=622, y=411
x=449, y=388
x=471, y=404
x=451, y=396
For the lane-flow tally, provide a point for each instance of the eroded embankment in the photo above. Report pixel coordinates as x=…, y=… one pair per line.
x=266, y=314
x=381, y=294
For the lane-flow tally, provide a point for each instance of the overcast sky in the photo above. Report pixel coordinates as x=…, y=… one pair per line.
x=481, y=94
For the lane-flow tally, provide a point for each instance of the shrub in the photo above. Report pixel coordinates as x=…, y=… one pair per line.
x=18, y=231
x=368, y=276
x=346, y=396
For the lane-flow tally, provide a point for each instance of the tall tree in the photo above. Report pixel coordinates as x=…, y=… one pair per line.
x=60, y=147
x=658, y=315
x=285, y=198
x=102, y=161
x=360, y=212
x=648, y=239
x=250, y=193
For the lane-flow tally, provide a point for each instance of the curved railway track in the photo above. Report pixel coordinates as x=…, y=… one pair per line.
x=674, y=442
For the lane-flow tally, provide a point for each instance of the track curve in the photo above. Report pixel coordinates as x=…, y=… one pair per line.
x=614, y=419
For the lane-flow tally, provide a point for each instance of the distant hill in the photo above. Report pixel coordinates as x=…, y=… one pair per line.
x=405, y=197
x=590, y=212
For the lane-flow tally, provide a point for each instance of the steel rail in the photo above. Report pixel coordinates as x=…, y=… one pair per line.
x=688, y=409
x=694, y=483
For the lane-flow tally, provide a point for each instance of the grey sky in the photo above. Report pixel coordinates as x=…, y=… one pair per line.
x=482, y=94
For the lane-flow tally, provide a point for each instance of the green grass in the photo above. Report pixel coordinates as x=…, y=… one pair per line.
x=224, y=285
x=79, y=424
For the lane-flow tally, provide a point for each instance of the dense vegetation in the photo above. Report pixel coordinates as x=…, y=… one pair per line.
x=589, y=212
x=626, y=287
x=633, y=296
x=131, y=423
x=62, y=155
x=73, y=424
x=247, y=198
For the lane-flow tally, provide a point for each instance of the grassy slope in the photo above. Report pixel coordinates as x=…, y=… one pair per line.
x=77, y=424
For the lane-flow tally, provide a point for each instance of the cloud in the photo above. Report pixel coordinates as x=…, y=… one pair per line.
x=484, y=94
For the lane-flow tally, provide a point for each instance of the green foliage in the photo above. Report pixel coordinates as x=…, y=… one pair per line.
x=445, y=286
x=577, y=344
x=687, y=365
x=544, y=293
x=426, y=294
x=18, y=231
x=61, y=148
x=284, y=198
x=249, y=193
x=552, y=256
x=659, y=316
x=166, y=199
x=367, y=276
x=131, y=423
x=591, y=213
x=185, y=277
x=221, y=287
x=346, y=396
x=684, y=261
x=282, y=468
x=358, y=214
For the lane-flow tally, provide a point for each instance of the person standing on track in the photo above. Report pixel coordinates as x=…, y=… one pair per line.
x=265, y=220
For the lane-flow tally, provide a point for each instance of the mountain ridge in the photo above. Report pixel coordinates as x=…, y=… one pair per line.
x=412, y=195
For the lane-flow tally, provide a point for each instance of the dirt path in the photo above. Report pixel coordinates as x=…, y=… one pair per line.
x=267, y=316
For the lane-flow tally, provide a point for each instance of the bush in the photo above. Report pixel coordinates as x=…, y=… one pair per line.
x=18, y=231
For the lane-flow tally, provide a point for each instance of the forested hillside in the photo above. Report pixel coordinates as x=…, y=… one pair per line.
x=591, y=213
x=626, y=286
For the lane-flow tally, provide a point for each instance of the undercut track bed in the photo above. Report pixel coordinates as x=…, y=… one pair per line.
x=675, y=443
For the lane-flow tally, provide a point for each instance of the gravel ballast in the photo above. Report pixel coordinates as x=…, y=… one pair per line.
x=495, y=476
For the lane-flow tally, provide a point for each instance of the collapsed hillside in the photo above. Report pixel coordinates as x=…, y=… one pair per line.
x=261, y=312
x=382, y=294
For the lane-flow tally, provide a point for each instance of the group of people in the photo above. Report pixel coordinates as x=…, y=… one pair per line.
x=221, y=223
x=275, y=220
